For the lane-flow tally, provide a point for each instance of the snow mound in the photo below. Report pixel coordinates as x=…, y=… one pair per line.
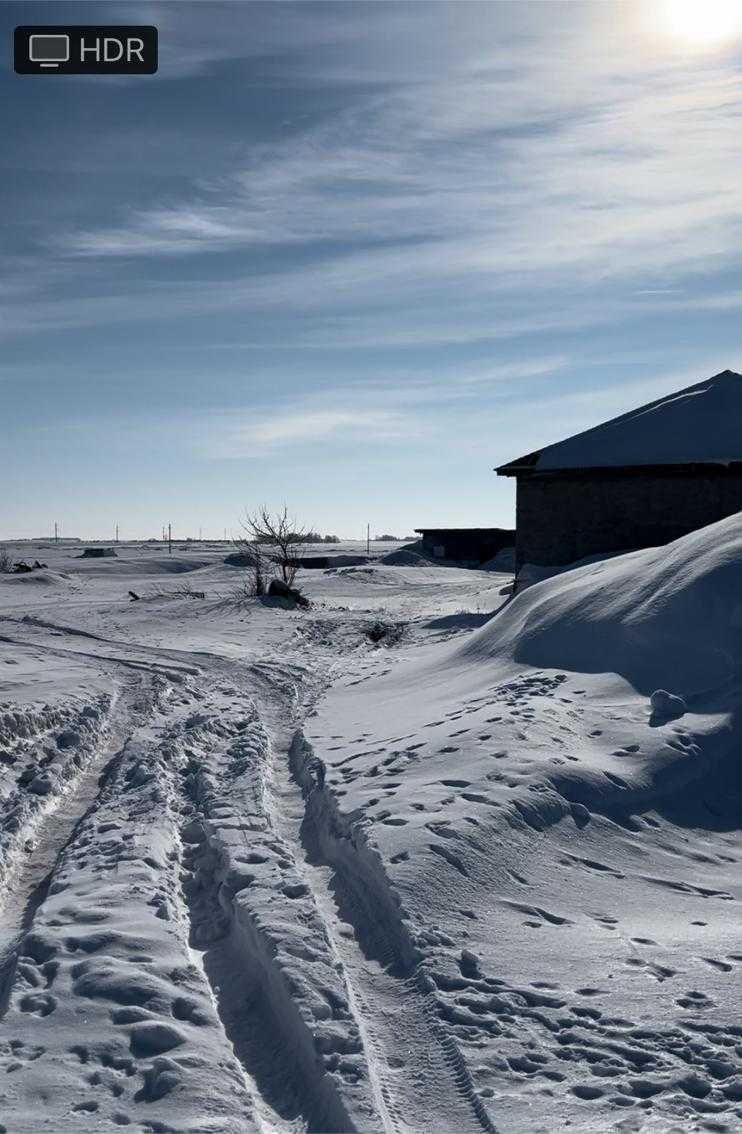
x=667, y=617
x=38, y=579
x=406, y=557
x=143, y=566
x=367, y=574
x=504, y=561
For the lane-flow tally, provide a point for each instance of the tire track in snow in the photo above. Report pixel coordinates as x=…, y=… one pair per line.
x=50, y=831
x=279, y=792
x=255, y=999
x=172, y=670
x=431, y=1088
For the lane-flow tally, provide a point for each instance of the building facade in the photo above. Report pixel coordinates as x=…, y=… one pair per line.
x=640, y=480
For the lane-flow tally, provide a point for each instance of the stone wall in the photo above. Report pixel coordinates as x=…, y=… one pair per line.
x=567, y=517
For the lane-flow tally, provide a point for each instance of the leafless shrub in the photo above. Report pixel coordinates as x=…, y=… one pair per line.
x=254, y=559
x=6, y=563
x=275, y=539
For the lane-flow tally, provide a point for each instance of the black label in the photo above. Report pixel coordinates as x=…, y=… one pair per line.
x=85, y=50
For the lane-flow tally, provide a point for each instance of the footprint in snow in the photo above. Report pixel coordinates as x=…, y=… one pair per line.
x=695, y=1000
x=722, y=966
x=587, y=1091
x=38, y=1003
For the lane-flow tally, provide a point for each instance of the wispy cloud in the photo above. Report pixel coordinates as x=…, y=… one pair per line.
x=494, y=173
x=291, y=428
x=489, y=202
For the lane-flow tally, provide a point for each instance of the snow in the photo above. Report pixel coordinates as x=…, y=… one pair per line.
x=669, y=613
x=697, y=424
x=266, y=870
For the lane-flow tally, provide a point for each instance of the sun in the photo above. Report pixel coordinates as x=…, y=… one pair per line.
x=704, y=22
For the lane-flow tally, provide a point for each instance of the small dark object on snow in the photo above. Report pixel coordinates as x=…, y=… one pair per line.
x=279, y=589
x=38, y=566
x=68, y=738
x=98, y=553
x=21, y=568
x=388, y=632
x=134, y=596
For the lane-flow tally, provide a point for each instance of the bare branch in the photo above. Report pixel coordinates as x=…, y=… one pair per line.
x=277, y=538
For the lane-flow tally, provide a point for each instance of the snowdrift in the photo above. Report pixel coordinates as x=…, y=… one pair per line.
x=668, y=616
x=142, y=566
x=38, y=578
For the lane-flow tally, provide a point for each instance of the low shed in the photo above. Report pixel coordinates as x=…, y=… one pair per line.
x=639, y=480
x=473, y=545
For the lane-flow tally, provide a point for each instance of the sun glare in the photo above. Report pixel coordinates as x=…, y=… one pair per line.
x=704, y=22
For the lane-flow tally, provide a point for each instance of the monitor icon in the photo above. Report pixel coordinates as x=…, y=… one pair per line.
x=49, y=50
x=84, y=49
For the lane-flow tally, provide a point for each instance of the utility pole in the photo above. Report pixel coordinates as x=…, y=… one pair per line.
x=368, y=539
x=169, y=540
x=117, y=533
x=56, y=532
x=200, y=537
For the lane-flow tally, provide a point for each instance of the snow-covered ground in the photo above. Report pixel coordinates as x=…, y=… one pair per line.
x=394, y=863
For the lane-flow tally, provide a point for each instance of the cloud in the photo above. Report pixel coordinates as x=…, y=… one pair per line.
x=513, y=182
x=404, y=407
x=290, y=428
x=197, y=37
x=540, y=167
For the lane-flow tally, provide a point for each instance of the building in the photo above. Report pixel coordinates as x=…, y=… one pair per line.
x=469, y=545
x=639, y=480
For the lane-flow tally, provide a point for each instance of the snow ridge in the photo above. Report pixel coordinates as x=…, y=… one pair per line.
x=368, y=904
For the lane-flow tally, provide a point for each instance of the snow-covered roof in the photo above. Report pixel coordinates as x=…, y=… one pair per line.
x=699, y=425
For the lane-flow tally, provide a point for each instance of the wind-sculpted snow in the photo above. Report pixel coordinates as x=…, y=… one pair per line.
x=667, y=616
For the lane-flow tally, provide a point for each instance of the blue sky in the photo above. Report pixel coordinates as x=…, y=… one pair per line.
x=351, y=256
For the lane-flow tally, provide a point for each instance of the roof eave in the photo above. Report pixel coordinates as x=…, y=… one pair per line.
x=512, y=470
x=688, y=467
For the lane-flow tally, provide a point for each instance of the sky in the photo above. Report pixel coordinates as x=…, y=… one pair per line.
x=349, y=257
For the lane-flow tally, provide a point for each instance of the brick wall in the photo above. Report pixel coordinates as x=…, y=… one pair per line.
x=564, y=518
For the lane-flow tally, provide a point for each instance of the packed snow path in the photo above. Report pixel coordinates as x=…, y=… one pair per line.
x=261, y=873
x=189, y=807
